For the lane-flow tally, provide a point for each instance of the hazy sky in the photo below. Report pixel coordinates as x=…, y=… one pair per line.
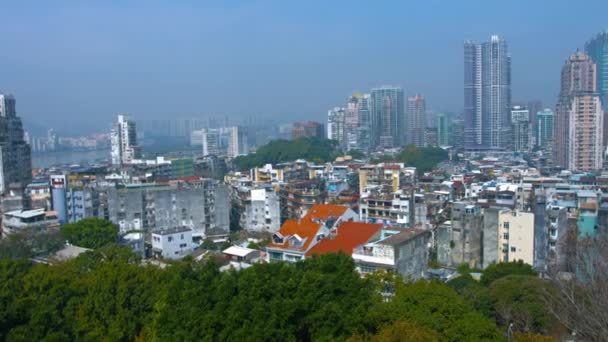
x=86, y=61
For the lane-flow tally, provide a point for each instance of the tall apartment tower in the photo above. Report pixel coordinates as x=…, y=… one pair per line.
x=387, y=116
x=487, y=94
x=124, y=141
x=336, y=129
x=15, y=153
x=520, y=123
x=415, y=120
x=578, y=132
x=597, y=49
x=362, y=140
x=237, y=145
x=211, y=141
x=443, y=130
x=544, y=127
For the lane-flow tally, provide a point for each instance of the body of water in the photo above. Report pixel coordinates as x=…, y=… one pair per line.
x=47, y=159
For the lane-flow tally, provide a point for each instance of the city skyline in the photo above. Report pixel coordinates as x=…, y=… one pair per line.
x=213, y=55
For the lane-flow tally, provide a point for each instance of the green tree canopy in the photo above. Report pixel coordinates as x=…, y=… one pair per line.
x=90, y=233
x=424, y=159
x=280, y=151
x=503, y=269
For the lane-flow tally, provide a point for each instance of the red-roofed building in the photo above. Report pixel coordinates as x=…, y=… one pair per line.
x=346, y=237
x=296, y=238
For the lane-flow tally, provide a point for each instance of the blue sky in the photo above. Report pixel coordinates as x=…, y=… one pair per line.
x=86, y=61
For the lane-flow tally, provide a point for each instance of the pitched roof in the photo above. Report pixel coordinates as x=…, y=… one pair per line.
x=403, y=236
x=350, y=235
x=305, y=229
x=325, y=211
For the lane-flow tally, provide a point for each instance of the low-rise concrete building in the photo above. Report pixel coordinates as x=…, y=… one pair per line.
x=19, y=220
x=404, y=251
x=174, y=243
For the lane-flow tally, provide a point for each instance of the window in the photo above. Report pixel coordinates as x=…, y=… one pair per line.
x=182, y=236
x=506, y=225
x=170, y=238
x=513, y=249
x=367, y=268
x=276, y=256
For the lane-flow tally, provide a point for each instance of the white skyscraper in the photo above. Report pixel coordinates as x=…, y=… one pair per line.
x=336, y=126
x=124, y=141
x=236, y=142
x=211, y=141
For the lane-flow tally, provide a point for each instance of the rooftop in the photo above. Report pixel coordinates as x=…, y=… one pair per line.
x=25, y=214
x=325, y=211
x=172, y=231
x=304, y=229
x=403, y=236
x=238, y=251
x=349, y=235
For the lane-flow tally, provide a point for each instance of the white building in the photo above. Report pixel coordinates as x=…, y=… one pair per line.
x=389, y=209
x=516, y=236
x=262, y=212
x=236, y=142
x=196, y=138
x=124, y=141
x=211, y=141
x=336, y=126
x=18, y=220
x=172, y=243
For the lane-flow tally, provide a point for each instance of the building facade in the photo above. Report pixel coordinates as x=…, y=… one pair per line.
x=544, y=127
x=416, y=120
x=597, y=49
x=579, y=122
x=336, y=126
x=388, y=121
x=15, y=153
x=124, y=141
x=520, y=122
x=443, y=130
x=487, y=94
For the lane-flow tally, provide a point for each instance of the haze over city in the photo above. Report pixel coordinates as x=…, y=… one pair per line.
x=85, y=63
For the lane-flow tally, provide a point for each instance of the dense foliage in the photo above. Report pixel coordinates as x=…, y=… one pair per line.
x=30, y=243
x=424, y=159
x=107, y=294
x=503, y=269
x=90, y=233
x=279, y=151
x=512, y=294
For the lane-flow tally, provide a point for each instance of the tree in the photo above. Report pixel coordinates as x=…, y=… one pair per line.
x=356, y=154
x=278, y=151
x=503, y=269
x=518, y=300
x=399, y=331
x=29, y=243
x=581, y=298
x=433, y=305
x=90, y=233
x=208, y=244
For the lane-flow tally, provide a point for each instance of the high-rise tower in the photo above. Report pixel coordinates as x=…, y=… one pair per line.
x=124, y=141
x=487, y=94
x=387, y=116
x=579, y=117
x=415, y=120
x=15, y=153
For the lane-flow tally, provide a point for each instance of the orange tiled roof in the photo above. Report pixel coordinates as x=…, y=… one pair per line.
x=325, y=211
x=305, y=229
x=350, y=235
